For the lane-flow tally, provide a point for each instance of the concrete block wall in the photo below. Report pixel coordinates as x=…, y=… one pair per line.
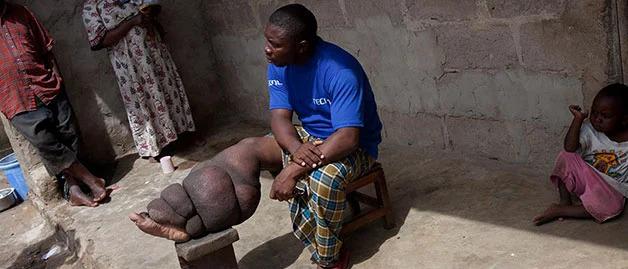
x=481, y=77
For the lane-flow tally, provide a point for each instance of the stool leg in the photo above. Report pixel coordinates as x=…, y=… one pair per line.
x=354, y=204
x=382, y=196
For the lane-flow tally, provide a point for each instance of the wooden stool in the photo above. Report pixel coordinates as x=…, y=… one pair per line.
x=381, y=203
x=211, y=251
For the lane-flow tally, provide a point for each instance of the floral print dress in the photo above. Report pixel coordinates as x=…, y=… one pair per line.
x=152, y=91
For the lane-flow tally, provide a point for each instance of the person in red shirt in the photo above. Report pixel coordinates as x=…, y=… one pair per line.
x=33, y=100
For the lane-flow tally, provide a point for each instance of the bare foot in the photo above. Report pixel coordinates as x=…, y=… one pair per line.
x=150, y=159
x=343, y=260
x=77, y=197
x=95, y=184
x=149, y=226
x=550, y=214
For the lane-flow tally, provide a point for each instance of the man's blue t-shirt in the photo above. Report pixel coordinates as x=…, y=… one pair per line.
x=329, y=92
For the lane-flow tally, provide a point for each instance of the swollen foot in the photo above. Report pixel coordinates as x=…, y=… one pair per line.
x=149, y=226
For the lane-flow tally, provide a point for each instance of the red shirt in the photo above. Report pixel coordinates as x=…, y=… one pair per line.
x=25, y=62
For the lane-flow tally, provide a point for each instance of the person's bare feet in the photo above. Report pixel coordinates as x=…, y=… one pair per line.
x=95, y=184
x=343, y=260
x=149, y=226
x=550, y=214
x=78, y=197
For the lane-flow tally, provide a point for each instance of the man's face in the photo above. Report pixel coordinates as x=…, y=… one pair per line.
x=280, y=50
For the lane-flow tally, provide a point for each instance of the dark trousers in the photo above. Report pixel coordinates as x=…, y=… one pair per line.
x=51, y=130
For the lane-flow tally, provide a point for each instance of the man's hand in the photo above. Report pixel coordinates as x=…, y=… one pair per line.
x=308, y=154
x=578, y=113
x=284, y=184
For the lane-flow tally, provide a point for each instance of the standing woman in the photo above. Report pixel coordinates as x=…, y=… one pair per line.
x=152, y=91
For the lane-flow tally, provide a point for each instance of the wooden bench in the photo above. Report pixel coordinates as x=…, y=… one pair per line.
x=381, y=207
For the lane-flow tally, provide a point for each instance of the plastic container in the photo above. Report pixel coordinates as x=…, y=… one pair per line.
x=12, y=170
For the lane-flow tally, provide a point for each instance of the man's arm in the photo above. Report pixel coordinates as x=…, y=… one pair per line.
x=304, y=154
x=283, y=129
x=336, y=147
x=572, y=139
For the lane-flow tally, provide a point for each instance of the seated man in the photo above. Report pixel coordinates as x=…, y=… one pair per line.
x=33, y=100
x=338, y=142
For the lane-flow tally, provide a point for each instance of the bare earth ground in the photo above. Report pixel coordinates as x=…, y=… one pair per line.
x=452, y=211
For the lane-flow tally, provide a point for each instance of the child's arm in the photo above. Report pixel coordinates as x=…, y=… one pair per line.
x=572, y=139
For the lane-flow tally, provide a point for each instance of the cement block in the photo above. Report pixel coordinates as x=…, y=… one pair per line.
x=562, y=46
x=358, y=10
x=515, y=8
x=329, y=13
x=511, y=95
x=412, y=130
x=231, y=17
x=442, y=10
x=468, y=47
x=492, y=139
x=400, y=64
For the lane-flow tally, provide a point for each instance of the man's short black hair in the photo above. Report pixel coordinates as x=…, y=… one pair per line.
x=299, y=22
x=618, y=92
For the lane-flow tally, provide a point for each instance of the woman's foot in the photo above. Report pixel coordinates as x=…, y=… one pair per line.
x=150, y=159
x=149, y=226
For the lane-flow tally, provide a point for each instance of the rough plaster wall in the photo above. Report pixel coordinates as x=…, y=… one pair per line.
x=93, y=89
x=487, y=77
x=91, y=84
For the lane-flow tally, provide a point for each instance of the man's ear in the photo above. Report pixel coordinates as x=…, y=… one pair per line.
x=303, y=46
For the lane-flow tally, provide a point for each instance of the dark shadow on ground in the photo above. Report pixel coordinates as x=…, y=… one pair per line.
x=122, y=167
x=32, y=257
x=284, y=249
x=483, y=190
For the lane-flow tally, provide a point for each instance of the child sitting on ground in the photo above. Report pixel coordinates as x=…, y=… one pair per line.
x=595, y=161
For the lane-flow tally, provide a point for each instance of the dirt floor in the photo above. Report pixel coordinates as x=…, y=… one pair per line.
x=451, y=211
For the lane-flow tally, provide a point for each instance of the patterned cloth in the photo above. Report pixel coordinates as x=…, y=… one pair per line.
x=152, y=91
x=601, y=200
x=317, y=214
x=25, y=62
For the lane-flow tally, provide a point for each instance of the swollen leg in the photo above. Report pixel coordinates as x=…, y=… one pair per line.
x=213, y=194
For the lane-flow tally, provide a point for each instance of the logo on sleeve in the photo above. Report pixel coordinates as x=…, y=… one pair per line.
x=274, y=82
x=321, y=101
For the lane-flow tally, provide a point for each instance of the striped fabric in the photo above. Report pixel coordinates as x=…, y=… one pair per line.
x=317, y=214
x=25, y=62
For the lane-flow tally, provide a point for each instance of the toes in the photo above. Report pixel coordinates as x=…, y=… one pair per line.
x=78, y=198
x=136, y=217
